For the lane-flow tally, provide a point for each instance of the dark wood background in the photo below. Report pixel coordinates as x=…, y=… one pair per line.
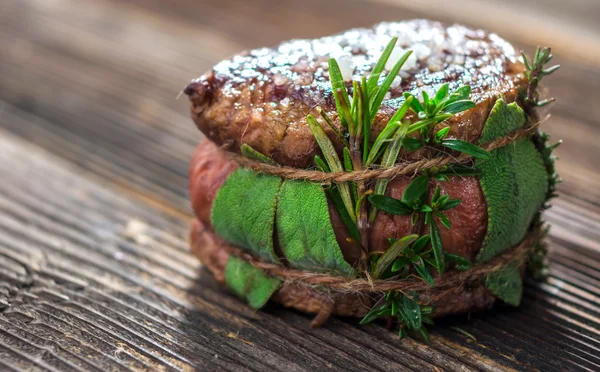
x=95, y=272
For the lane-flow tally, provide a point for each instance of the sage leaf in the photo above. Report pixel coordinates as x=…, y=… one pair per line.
x=436, y=245
x=390, y=255
x=243, y=212
x=506, y=284
x=466, y=147
x=304, y=229
x=415, y=190
x=249, y=282
x=514, y=182
x=390, y=205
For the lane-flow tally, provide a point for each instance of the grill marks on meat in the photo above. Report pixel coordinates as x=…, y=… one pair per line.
x=261, y=97
x=210, y=167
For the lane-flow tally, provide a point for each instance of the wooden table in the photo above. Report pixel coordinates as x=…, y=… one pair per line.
x=95, y=272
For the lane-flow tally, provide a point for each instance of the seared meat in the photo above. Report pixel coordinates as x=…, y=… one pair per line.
x=210, y=168
x=261, y=97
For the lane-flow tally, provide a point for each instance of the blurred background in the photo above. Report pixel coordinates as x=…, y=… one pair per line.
x=96, y=81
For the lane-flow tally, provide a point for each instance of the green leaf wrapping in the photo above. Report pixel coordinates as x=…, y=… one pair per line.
x=304, y=229
x=513, y=180
x=506, y=284
x=502, y=120
x=243, y=212
x=249, y=282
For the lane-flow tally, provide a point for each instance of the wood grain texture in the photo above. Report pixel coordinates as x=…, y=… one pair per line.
x=95, y=272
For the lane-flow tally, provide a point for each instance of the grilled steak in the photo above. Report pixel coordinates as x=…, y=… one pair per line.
x=261, y=97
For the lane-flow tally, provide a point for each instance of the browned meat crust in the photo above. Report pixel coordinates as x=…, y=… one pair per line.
x=261, y=97
x=211, y=250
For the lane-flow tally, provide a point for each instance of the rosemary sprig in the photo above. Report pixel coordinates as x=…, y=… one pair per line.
x=534, y=72
x=356, y=117
x=333, y=162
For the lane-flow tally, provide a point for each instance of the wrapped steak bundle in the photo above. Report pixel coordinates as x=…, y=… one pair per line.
x=392, y=172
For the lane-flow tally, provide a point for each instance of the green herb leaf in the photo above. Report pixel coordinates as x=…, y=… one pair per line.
x=464, y=171
x=243, y=212
x=438, y=249
x=375, y=313
x=415, y=190
x=379, y=66
x=444, y=220
x=320, y=163
x=412, y=144
x=415, y=104
x=420, y=244
x=333, y=161
x=399, y=264
x=335, y=197
x=249, y=282
x=385, y=86
x=423, y=271
x=389, y=159
x=442, y=133
x=460, y=263
x=412, y=313
x=251, y=153
x=506, y=284
x=380, y=141
x=304, y=229
x=450, y=204
x=466, y=147
x=390, y=205
x=459, y=106
x=340, y=93
x=390, y=255
x=442, y=93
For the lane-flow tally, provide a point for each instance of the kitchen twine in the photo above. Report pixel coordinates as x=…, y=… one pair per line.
x=338, y=285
